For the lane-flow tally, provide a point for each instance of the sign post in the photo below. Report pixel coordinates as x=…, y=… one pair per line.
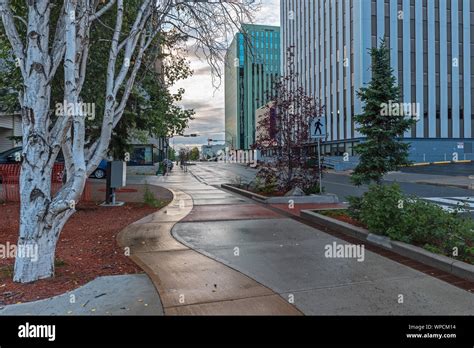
x=318, y=131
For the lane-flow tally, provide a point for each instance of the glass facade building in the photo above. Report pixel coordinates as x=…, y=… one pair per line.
x=432, y=55
x=252, y=63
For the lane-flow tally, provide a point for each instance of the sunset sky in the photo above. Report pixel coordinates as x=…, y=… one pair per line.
x=208, y=102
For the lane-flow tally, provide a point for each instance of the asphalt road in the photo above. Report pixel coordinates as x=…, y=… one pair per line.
x=217, y=173
x=459, y=169
x=340, y=185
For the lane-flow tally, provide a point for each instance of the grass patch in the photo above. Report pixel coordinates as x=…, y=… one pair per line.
x=59, y=263
x=6, y=272
x=150, y=200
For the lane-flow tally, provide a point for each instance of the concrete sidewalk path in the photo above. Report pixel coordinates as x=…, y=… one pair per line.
x=132, y=294
x=188, y=282
x=264, y=261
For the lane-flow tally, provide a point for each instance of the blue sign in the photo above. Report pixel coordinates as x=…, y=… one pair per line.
x=318, y=127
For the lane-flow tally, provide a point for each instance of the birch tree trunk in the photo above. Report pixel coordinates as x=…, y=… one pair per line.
x=43, y=216
x=36, y=234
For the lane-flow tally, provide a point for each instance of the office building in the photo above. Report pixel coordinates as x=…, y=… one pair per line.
x=252, y=64
x=431, y=55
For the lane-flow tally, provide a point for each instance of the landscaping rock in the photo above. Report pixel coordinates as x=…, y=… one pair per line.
x=295, y=192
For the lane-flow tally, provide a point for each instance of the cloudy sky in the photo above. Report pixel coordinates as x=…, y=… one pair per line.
x=207, y=102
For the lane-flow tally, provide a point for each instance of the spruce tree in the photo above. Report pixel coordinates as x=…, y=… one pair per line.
x=382, y=150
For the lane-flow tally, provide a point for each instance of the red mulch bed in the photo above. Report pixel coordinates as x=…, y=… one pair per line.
x=349, y=220
x=86, y=249
x=342, y=216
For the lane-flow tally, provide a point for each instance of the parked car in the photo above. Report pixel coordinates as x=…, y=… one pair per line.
x=101, y=171
x=12, y=155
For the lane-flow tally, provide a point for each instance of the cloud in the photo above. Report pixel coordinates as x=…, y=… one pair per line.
x=202, y=70
x=200, y=94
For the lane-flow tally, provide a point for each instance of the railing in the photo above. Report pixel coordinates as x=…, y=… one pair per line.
x=10, y=177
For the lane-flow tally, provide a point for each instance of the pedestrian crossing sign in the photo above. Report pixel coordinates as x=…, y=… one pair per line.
x=318, y=128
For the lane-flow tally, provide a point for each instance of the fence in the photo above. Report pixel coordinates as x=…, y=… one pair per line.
x=10, y=177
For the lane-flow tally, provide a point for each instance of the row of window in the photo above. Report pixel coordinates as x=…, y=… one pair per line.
x=303, y=23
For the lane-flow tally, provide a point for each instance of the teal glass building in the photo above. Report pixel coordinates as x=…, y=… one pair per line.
x=252, y=63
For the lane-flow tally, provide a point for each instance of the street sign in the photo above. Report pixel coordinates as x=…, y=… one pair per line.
x=318, y=128
x=318, y=131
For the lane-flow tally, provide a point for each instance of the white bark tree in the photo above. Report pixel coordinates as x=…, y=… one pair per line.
x=39, y=55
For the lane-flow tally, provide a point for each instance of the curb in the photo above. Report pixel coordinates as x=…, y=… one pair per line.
x=245, y=193
x=444, y=263
x=421, y=164
x=440, y=184
x=317, y=199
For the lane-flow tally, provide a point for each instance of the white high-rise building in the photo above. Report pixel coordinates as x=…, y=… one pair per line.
x=431, y=54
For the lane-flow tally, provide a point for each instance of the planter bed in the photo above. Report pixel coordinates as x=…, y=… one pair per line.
x=325, y=198
x=447, y=264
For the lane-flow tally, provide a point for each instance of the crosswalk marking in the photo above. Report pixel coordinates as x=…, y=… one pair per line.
x=451, y=201
x=452, y=204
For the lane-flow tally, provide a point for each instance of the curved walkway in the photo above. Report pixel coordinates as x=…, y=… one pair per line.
x=281, y=253
x=188, y=282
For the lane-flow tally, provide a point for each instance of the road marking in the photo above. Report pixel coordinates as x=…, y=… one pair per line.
x=452, y=204
x=450, y=201
x=451, y=210
x=464, y=198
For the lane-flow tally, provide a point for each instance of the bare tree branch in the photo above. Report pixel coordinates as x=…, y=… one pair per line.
x=13, y=35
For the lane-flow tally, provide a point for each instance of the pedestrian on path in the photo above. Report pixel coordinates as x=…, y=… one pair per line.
x=184, y=166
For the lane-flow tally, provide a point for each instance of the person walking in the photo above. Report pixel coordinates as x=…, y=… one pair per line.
x=184, y=167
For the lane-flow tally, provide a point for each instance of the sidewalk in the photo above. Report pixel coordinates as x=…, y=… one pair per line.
x=110, y=295
x=188, y=282
x=286, y=258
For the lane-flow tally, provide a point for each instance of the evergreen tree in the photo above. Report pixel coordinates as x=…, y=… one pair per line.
x=382, y=151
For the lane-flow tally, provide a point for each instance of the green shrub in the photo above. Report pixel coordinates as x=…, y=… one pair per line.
x=314, y=190
x=379, y=209
x=386, y=211
x=269, y=186
x=265, y=182
x=355, y=206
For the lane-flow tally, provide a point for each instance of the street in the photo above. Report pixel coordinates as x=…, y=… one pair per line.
x=217, y=173
x=458, y=169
